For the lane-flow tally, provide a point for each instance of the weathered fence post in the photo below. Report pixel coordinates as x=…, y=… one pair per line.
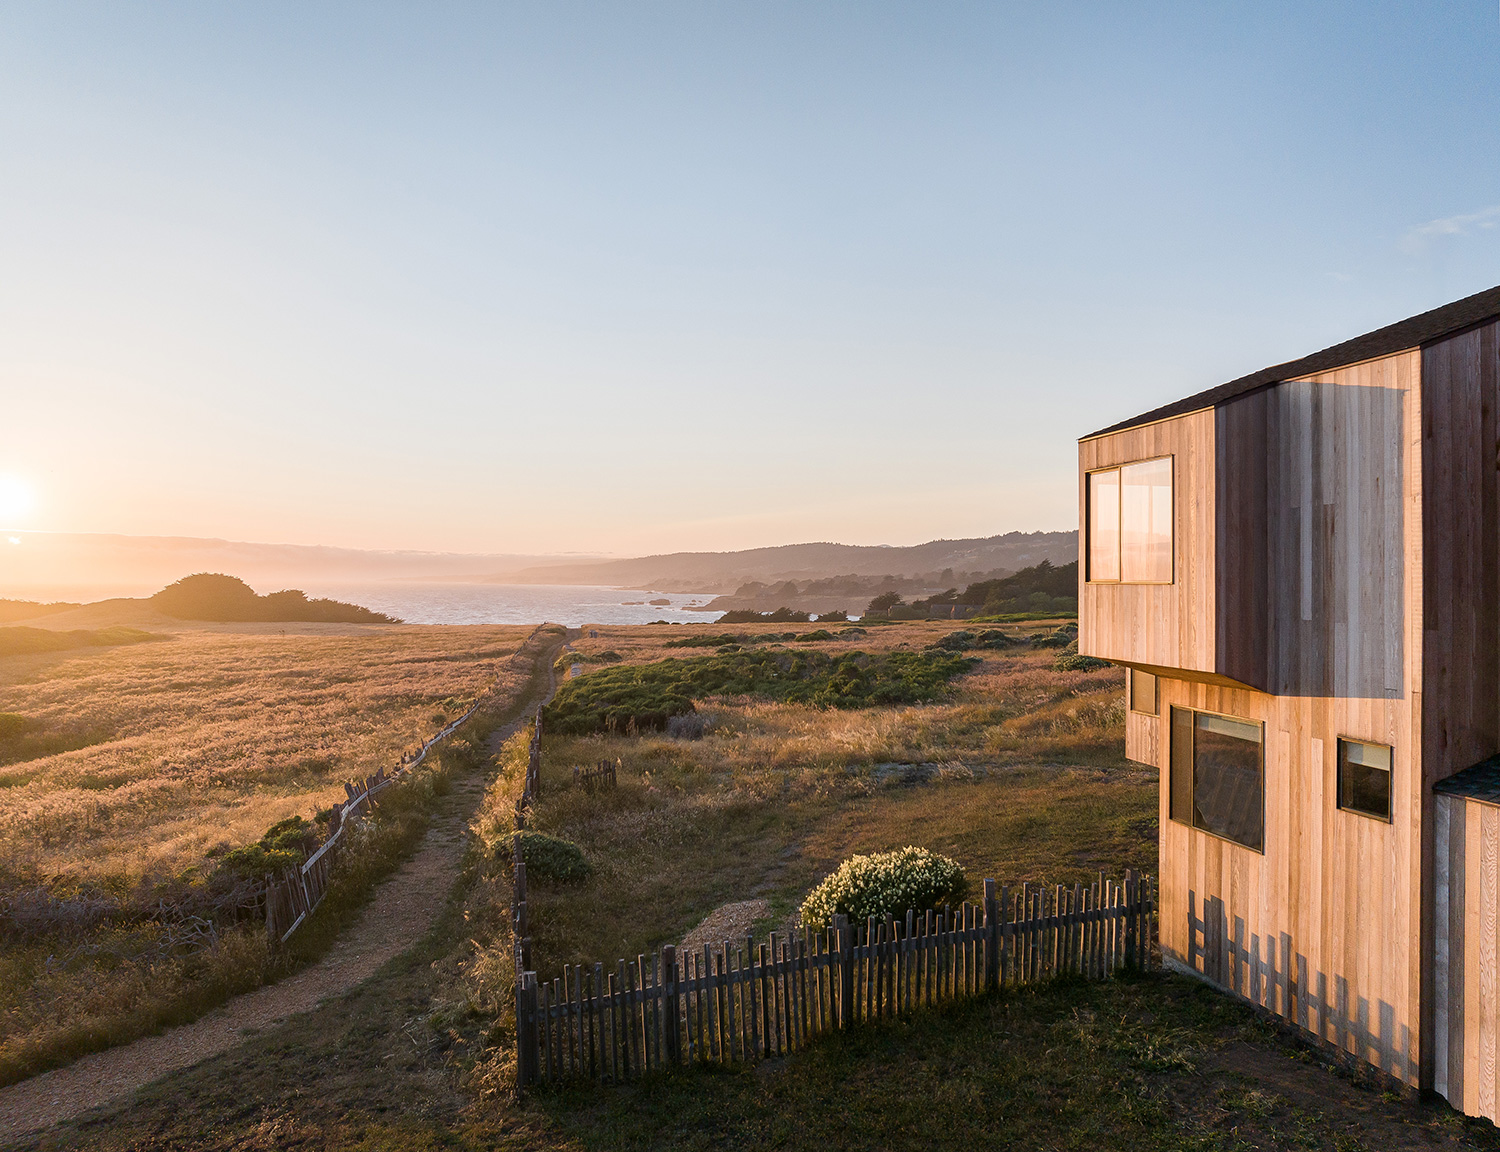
x=526, y=1070
x=846, y=970
x=672, y=1023
x=991, y=937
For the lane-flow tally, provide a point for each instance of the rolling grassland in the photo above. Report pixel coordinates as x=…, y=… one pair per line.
x=133, y=775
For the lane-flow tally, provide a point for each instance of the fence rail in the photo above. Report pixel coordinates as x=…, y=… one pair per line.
x=743, y=1001
x=292, y=896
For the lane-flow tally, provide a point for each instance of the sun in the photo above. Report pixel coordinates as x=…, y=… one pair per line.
x=16, y=499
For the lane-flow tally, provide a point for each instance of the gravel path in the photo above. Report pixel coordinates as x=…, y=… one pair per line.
x=402, y=911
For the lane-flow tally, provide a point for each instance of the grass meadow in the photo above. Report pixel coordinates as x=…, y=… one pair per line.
x=1017, y=773
x=201, y=741
x=174, y=752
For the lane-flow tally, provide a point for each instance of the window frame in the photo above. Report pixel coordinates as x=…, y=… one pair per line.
x=1190, y=793
x=1088, y=522
x=1338, y=780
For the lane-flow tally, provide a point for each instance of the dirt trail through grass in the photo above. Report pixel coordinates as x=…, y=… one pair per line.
x=401, y=911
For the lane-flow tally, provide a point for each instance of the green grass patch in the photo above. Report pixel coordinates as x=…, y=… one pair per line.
x=643, y=697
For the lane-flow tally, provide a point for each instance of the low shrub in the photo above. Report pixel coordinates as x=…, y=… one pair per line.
x=284, y=845
x=1073, y=662
x=644, y=697
x=885, y=884
x=837, y=616
x=689, y=727
x=963, y=640
x=816, y=634
x=1067, y=634
x=781, y=615
x=551, y=857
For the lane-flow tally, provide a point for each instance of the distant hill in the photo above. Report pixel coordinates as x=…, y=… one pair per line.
x=939, y=563
x=214, y=596
x=85, y=566
x=27, y=609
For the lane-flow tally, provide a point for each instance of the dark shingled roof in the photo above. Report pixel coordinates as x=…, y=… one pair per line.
x=1481, y=782
x=1409, y=333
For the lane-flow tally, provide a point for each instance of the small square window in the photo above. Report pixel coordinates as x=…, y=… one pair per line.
x=1142, y=692
x=1365, y=778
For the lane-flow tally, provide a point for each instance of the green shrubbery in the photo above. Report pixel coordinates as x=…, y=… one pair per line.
x=566, y=660
x=885, y=884
x=747, y=616
x=552, y=857
x=643, y=697
x=963, y=640
x=285, y=845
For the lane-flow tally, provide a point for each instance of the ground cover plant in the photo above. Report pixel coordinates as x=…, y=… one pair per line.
x=643, y=697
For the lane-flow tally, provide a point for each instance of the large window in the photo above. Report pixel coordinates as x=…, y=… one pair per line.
x=1219, y=775
x=1130, y=523
x=1365, y=778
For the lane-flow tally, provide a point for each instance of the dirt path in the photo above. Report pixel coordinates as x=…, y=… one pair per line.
x=401, y=911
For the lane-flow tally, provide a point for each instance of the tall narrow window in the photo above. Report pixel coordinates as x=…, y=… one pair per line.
x=1180, y=806
x=1218, y=776
x=1142, y=692
x=1146, y=522
x=1365, y=778
x=1104, y=525
x=1130, y=523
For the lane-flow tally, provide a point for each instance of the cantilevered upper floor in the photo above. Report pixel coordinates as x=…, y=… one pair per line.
x=1269, y=532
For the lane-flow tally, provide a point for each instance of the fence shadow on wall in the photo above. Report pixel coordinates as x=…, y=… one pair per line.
x=1268, y=974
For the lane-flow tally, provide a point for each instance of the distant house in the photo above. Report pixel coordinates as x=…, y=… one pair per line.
x=1301, y=571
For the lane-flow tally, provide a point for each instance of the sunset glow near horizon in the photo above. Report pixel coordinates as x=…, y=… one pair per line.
x=631, y=279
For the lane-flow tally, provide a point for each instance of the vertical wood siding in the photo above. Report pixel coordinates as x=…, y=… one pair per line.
x=1159, y=625
x=1461, y=706
x=1141, y=737
x=1322, y=490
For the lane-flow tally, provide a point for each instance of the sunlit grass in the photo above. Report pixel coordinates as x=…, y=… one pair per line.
x=206, y=740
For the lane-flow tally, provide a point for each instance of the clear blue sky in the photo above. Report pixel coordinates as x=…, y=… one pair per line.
x=643, y=277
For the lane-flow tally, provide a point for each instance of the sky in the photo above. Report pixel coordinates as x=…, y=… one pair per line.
x=629, y=278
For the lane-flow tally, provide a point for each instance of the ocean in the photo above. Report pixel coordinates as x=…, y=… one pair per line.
x=571, y=604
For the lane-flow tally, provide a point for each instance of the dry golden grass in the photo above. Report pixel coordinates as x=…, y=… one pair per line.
x=354, y=700
x=203, y=740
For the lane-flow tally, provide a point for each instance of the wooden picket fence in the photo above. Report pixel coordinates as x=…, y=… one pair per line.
x=742, y=1002
x=291, y=897
x=520, y=928
x=605, y=775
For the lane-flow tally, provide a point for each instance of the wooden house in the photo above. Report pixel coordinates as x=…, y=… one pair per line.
x=1300, y=570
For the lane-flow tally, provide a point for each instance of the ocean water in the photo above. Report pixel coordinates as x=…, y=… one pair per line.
x=571, y=604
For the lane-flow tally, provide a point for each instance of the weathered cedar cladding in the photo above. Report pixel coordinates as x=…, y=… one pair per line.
x=1291, y=539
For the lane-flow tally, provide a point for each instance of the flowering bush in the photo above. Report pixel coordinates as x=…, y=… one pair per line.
x=885, y=882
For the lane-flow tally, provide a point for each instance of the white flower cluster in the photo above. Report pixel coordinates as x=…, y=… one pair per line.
x=885, y=882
